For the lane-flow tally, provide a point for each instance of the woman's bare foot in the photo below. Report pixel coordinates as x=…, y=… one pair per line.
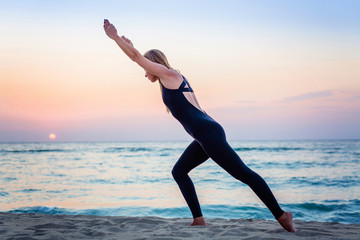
x=199, y=221
x=286, y=221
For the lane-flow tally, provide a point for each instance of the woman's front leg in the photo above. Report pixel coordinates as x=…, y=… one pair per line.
x=192, y=157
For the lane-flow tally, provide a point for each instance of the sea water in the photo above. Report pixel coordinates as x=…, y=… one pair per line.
x=316, y=180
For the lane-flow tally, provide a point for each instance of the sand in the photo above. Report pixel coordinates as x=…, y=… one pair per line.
x=39, y=226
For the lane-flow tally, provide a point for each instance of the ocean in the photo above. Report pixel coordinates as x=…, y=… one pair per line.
x=318, y=180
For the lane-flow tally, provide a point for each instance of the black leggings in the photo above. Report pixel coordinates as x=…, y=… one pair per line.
x=220, y=151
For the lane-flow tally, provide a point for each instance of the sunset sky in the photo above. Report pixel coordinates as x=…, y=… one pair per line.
x=262, y=69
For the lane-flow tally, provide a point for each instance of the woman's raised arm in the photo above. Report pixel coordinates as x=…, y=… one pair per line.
x=127, y=47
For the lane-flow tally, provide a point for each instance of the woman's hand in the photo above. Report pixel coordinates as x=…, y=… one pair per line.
x=127, y=40
x=124, y=43
x=110, y=30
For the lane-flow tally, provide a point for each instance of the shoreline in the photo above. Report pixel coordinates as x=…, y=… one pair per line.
x=44, y=226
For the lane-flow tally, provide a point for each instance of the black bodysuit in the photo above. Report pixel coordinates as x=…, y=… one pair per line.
x=209, y=141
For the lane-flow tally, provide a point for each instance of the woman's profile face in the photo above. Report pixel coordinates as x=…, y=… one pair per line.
x=151, y=77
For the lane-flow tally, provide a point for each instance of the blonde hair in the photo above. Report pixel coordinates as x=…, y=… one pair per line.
x=159, y=57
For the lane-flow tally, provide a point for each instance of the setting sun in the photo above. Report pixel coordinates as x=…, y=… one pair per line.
x=52, y=136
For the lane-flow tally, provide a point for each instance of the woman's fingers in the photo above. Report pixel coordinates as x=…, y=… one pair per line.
x=106, y=23
x=110, y=29
x=126, y=39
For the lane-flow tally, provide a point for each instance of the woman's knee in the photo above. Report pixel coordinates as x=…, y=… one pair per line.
x=177, y=172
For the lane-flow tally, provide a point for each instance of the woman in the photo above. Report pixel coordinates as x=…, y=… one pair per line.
x=209, y=136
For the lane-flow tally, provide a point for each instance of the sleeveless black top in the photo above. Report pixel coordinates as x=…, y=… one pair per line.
x=191, y=118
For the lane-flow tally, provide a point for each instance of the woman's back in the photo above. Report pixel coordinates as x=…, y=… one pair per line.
x=180, y=106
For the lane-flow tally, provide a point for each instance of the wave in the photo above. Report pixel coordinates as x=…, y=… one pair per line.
x=319, y=207
x=121, y=211
x=128, y=149
x=346, y=181
x=8, y=179
x=268, y=149
x=340, y=211
x=29, y=190
x=143, y=149
x=34, y=151
x=328, y=211
x=298, y=164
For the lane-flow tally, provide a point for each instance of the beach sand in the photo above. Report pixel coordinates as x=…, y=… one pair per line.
x=39, y=226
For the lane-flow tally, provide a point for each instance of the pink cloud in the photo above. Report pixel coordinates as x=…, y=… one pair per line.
x=309, y=96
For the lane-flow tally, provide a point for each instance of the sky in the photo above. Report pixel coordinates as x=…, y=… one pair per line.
x=265, y=70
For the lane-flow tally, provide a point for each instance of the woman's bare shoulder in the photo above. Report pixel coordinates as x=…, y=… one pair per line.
x=172, y=81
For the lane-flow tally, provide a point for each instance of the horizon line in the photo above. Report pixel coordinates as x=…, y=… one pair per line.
x=230, y=140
